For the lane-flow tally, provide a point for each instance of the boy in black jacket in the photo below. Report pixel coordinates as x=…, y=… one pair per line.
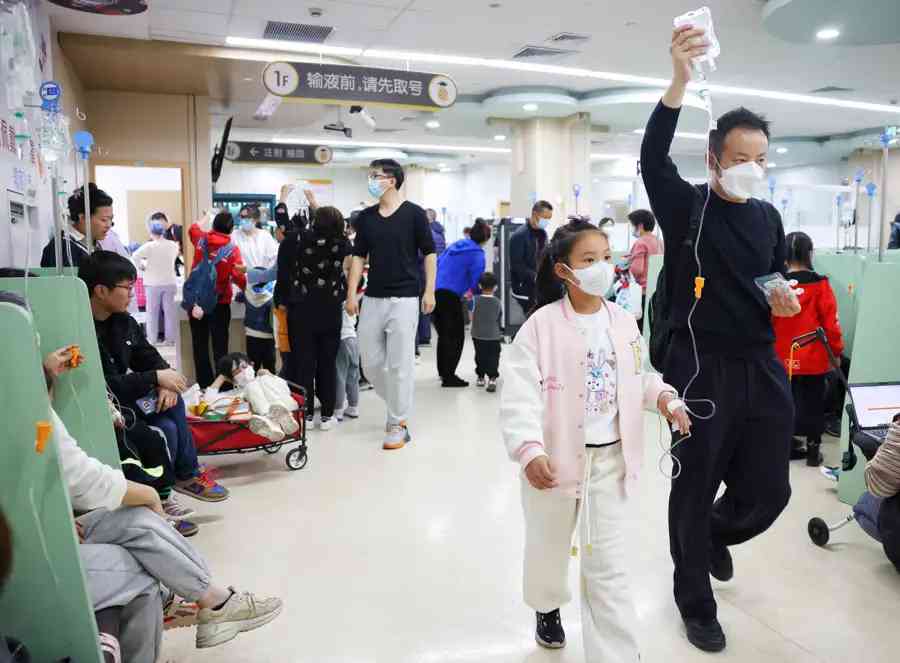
x=136, y=374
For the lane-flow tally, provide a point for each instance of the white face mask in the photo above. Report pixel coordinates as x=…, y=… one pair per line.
x=244, y=376
x=595, y=280
x=740, y=181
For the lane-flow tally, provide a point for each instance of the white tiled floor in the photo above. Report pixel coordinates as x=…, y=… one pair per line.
x=415, y=556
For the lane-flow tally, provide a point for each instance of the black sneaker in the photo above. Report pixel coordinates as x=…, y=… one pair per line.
x=798, y=449
x=833, y=426
x=721, y=567
x=549, y=632
x=705, y=634
x=492, y=386
x=454, y=381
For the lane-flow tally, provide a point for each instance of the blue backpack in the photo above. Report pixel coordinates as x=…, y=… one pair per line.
x=200, y=286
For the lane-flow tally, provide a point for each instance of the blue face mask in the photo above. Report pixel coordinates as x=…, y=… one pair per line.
x=543, y=224
x=247, y=225
x=375, y=188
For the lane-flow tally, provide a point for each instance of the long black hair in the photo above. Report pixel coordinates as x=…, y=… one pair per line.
x=799, y=249
x=548, y=287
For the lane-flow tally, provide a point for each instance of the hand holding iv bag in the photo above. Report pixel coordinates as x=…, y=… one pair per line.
x=702, y=18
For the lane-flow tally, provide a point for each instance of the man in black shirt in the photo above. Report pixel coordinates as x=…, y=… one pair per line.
x=74, y=241
x=745, y=440
x=390, y=235
x=525, y=248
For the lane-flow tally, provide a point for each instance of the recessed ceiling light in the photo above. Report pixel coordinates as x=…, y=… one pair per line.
x=530, y=107
x=499, y=137
x=433, y=124
x=680, y=134
x=495, y=5
x=249, y=78
x=772, y=164
x=827, y=34
x=782, y=150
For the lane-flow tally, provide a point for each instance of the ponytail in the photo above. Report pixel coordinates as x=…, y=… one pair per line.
x=548, y=287
x=799, y=249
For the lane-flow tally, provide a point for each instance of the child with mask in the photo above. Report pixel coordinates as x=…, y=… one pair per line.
x=269, y=396
x=808, y=366
x=575, y=384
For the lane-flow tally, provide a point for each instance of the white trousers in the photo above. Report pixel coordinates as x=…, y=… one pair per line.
x=268, y=390
x=387, y=347
x=608, y=617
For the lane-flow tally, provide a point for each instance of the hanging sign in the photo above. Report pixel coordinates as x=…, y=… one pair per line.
x=105, y=7
x=278, y=153
x=364, y=86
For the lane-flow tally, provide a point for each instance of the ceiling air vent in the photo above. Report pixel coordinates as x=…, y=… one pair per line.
x=831, y=89
x=529, y=52
x=312, y=34
x=569, y=38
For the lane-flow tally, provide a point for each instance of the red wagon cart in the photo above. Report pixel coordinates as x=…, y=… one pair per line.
x=212, y=437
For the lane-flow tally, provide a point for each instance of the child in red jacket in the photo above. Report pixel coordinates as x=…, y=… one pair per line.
x=809, y=365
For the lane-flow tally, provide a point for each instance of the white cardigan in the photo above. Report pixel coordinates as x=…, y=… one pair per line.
x=91, y=484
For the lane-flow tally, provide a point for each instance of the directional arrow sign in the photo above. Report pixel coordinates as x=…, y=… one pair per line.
x=277, y=153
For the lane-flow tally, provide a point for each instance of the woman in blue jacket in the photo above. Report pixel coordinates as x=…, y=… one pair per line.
x=459, y=269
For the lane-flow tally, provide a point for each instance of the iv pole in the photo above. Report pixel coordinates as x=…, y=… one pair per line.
x=886, y=138
x=858, y=180
x=84, y=141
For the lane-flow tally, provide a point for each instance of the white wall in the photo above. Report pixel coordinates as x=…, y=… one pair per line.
x=117, y=181
x=809, y=210
x=349, y=183
x=22, y=243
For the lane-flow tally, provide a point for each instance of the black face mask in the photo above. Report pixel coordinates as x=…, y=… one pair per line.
x=281, y=216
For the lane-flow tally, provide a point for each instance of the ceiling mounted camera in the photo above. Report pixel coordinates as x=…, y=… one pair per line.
x=339, y=127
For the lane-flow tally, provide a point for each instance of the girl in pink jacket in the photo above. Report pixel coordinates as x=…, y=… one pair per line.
x=575, y=387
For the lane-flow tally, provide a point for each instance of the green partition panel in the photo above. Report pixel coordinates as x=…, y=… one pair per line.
x=875, y=357
x=45, y=602
x=845, y=273
x=654, y=266
x=62, y=316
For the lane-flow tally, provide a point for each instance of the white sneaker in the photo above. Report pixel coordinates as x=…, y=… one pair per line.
x=285, y=419
x=264, y=428
x=352, y=412
x=339, y=415
x=326, y=424
x=175, y=510
x=242, y=612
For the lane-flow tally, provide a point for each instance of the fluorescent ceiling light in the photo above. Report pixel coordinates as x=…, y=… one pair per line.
x=680, y=134
x=400, y=146
x=433, y=124
x=499, y=137
x=293, y=47
x=530, y=107
x=613, y=157
x=826, y=34
x=782, y=150
x=772, y=164
x=267, y=108
x=555, y=70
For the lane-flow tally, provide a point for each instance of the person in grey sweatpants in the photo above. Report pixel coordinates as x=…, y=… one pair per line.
x=390, y=236
x=130, y=556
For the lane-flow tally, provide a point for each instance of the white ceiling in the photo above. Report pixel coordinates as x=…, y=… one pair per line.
x=626, y=37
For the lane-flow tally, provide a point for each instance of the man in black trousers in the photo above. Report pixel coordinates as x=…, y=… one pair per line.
x=745, y=438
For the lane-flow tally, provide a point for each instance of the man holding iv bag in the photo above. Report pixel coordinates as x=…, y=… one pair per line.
x=719, y=241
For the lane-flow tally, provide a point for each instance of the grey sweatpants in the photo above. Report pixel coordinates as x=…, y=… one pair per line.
x=348, y=373
x=128, y=554
x=387, y=346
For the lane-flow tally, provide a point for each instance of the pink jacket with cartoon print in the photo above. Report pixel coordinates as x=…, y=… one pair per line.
x=542, y=402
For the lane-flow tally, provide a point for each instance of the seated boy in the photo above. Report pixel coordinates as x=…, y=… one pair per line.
x=269, y=396
x=135, y=371
x=130, y=554
x=878, y=510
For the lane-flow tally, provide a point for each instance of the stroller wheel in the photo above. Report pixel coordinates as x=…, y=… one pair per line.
x=272, y=448
x=818, y=531
x=296, y=459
